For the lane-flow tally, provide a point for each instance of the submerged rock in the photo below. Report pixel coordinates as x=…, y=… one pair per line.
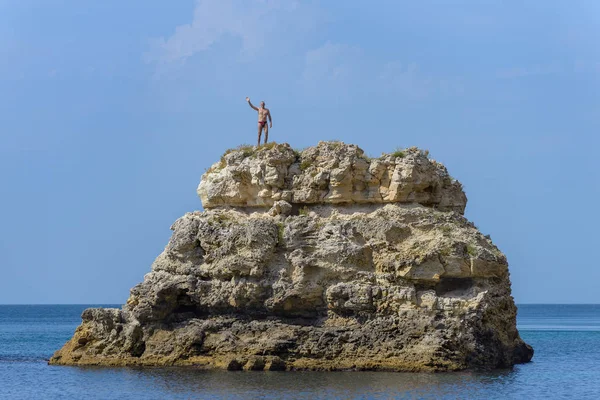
x=322, y=259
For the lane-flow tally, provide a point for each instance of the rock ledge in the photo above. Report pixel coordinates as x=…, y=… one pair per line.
x=329, y=173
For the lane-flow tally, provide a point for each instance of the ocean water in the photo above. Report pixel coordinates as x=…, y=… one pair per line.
x=566, y=364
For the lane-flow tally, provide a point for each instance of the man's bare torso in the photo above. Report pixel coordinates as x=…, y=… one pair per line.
x=262, y=114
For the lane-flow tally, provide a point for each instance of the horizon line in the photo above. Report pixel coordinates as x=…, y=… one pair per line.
x=113, y=304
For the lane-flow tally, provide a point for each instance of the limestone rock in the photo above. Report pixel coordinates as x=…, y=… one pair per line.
x=330, y=173
x=346, y=263
x=281, y=207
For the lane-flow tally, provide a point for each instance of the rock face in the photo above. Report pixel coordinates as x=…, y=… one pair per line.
x=330, y=173
x=323, y=260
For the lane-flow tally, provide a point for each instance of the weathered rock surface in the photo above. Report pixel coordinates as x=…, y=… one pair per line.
x=336, y=263
x=330, y=173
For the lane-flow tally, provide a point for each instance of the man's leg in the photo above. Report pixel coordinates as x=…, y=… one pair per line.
x=259, y=133
x=266, y=133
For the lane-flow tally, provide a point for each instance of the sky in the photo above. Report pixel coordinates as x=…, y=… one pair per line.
x=110, y=111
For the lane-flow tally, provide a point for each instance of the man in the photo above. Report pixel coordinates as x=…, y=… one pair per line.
x=263, y=114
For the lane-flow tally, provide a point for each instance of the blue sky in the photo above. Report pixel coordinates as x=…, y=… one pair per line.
x=110, y=111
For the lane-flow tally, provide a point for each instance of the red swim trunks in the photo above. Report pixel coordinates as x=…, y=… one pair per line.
x=262, y=123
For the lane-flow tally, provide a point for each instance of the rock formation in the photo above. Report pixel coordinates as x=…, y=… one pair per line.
x=322, y=259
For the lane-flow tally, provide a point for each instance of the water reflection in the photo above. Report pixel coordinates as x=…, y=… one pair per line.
x=188, y=383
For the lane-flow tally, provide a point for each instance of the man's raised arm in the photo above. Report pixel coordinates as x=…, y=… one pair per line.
x=250, y=104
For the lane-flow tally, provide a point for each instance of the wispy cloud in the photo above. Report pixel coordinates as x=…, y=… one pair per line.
x=406, y=78
x=345, y=68
x=333, y=62
x=250, y=21
x=228, y=43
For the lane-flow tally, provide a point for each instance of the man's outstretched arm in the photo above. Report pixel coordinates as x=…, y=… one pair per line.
x=270, y=119
x=250, y=104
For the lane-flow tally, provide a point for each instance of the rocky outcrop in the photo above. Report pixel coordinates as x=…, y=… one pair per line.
x=330, y=173
x=321, y=259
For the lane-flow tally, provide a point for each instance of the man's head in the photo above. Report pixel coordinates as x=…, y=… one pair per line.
x=262, y=104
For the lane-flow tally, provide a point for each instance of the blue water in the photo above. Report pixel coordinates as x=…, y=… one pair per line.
x=566, y=339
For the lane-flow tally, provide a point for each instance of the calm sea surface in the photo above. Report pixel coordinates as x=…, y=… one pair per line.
x=566, y=339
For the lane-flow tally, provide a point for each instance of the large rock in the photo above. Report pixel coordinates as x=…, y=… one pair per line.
x=346, y=263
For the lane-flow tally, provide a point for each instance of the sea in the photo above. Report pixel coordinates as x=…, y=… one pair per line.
x=566, y=365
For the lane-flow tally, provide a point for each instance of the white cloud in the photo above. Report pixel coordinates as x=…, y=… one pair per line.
x=250, y=21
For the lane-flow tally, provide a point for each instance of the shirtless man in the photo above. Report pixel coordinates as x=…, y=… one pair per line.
x=263, y=114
